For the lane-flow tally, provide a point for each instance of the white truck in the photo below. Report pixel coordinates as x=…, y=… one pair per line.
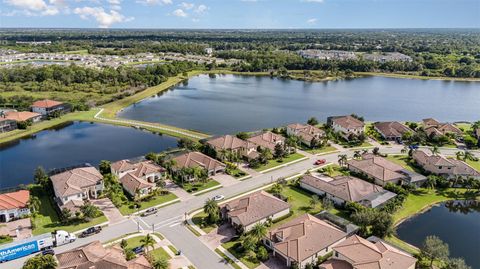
x=34, y=244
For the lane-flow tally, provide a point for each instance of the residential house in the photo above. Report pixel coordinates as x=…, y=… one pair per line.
x=439, y=165
x=233, y=145
x=267, y=140
x=357, y=253
x=342, y=189
x=305, y=132
x=95, y=256
x=434, y=128
x=20, y=116
x=303, y=239
x=14, y=205
x=49, y=107
x=346, y=126
x=146, y=170
x=75, y=185
x=383, y=171
x=197, y=159
x=258, y=207
x=135, y=186
x=391, y=130
x=7, y=125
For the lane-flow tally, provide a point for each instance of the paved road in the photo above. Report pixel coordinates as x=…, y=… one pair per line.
x=169, y=219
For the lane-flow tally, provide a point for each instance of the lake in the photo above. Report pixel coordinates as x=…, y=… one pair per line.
x=73, y=144
x=233, y=103
x=456, y=223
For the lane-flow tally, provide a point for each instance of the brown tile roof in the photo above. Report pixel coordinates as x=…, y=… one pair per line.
x=139, y=262
x=378, y=167
x=365, y=254
x=432, y=130
x=304, y=236
x=21, y=116
x=449, y=128
x=147, y=167
x=12, y=200
x=46, y=103
x=197, y=159
x=122, y=166
x=345, y=187
x=92, y=256
x=348, y=122
x=335, y=264
x=133, y=183
x=391, y=128
x=72, y=181
x=266, y=139
x=305, y=131
x=423, y=159
x=430, y=122
x=73, y=205
x=254, y=207
x=228, y=142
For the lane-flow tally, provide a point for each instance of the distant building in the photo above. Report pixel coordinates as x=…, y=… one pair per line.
x=387, y=57
x=267, y=140
x=305, y=132
x=75, y=185
x=338, y=55
x=95, y=256
x=342, y=189
x=439, y=165
x=14, y=205
x=49, y=107
x=234, y=145
x=356, y=252
x=209, y=51
x=20, y=116
x=244, y=212
x=303, y=240
x=7, y=125
x=434, y=128
x=346, y=125
x=392, y=130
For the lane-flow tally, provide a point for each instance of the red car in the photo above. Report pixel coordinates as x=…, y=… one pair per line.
x=321, y=161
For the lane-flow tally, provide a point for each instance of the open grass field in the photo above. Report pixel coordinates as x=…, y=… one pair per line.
x=275, y=163
x=128, y=209
x=47, y=220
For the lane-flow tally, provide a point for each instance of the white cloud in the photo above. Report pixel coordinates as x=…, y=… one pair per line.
x=35, y=7
x=179, y=13
x=313, y=1
x=312, y=21
x=155, y=2
x=103, y=18
x=114, y=2
x=201, y=9
x=186, y=5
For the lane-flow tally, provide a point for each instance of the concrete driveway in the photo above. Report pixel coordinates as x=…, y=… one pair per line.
x=109, y=209
x=218, y=236
x=225, y=180
x=273, y=263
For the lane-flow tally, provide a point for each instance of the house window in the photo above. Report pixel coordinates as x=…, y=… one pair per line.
x=440, y=167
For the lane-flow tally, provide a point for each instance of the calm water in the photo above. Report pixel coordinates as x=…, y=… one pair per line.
x=77, y=143
x=231, y=103
x=457, y=223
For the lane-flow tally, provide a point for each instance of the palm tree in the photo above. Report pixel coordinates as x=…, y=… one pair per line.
x=34, y=204
x=435, y=150
x=258, y=231
x=161, y=263
x=41, y=262
x=342, y=159
x=212, y=210
x=404, y=150
x=468, y=156
x=147, y=242
x=329, y=170
x=314, y=201
x=460, y=155
x=356, y=154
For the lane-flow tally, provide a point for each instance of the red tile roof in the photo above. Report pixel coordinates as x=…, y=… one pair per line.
x=46, y=103
x=12, y=200
x=21, y=116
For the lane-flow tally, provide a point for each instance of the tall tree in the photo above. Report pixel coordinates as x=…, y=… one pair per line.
x=312, y=121
x=41, y=262
x=104, y=167
x=147, y=242
x=434, y=248
x=41, y=176
x=212, y=209
x=457, y=263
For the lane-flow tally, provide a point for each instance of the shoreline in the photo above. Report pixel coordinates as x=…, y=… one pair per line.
x=405, y=76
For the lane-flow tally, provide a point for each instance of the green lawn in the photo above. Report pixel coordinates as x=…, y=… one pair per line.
x=199, y=186
x=322, y=150
x=423, y=198
x=199, y=220
x=134, y=241
x=233, y=246
x=230, y=261
x=173, y=249
x=47, y=220
x=128, y=209
x=274, y=163
x=159, y=253
x=5, y=239
x=404, y=161
x=474, y=164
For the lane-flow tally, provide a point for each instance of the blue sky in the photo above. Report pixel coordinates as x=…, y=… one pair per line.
x=240, y=13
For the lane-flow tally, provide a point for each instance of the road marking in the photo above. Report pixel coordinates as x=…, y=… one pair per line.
x=175, y=224
x=169, y=220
